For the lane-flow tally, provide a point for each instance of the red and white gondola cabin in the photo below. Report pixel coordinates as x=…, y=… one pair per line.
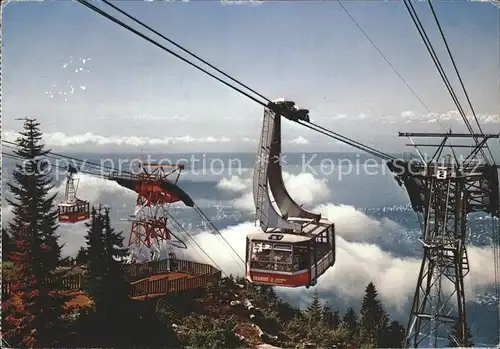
x=291, y=260
x=74, y=212
x=72, y=209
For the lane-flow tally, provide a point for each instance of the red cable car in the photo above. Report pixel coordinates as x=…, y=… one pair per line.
x=72, y=209
x=291, y=260
x=295, y=246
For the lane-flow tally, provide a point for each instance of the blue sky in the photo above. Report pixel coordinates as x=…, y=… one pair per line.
x=130, y=92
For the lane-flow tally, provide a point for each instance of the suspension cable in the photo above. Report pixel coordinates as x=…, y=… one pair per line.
x=180, y=227
x=203, y=215
x=183, y=49
x=437, y=63
x=458, y=75
x=394, y=70
x=123, y=25
x=346, y=140
x=14, y=145
x=385, y=58
x=129, y=28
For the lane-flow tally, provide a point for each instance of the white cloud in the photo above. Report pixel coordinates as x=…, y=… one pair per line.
x=339, y=117
x=363, y=116
x=241, y=2
x=62, y=140
x=147, y=117
x=235, y=184
x=299, y=140
x=449, y=116
x=408, y=114
x=305, y=187
x=366, y=227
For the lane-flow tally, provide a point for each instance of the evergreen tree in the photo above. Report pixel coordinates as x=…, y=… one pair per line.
x=204, y=332
x=95, y=252
x=313, y=311
x=455, y=338
x=336, y=319
x=394, y=336
x=271, y=295
x=34, y=316
x=107, y=284
x=81, y=257
x=327, y=315
x=8, y=245
x=114, y=252
x=350, y=323
x=373, y=318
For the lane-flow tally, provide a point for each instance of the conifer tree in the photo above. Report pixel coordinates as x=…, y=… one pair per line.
x=455, y=338
x=314, y=309
x=34, y=316
x=94, y=282
x=327, y=315
x=114, y=253
x=107, y=284
x=271, y=294
x=350, y=323
x=336, y=319
x=394, y=336
x=81, y=257
x=373, y=318
x=8, y=245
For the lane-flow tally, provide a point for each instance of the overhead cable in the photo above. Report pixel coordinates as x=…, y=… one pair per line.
x=183, y=49
x=437, y=63
x=123, y=25
x=458, y=74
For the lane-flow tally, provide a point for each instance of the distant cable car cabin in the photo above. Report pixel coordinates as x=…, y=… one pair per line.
x=72, y=209
x=295, y=246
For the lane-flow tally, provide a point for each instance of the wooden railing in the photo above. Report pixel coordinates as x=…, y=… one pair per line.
x=139, y=271
x=165, y=285
x=201, y=276
x=68, y=283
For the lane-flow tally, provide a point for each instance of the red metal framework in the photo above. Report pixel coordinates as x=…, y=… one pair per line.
x=150, y=235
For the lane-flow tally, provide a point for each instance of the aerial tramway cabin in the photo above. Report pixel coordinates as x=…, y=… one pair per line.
x=72, y=209
x=74, y=212
x=292, y=260
x=295, y=247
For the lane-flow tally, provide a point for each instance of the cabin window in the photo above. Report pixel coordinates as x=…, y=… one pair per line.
x=261, y=255
x=322, y=238
x=282, y=257
x=277, y=257
x=282, y=247
x=275, y=237
x=300, y=257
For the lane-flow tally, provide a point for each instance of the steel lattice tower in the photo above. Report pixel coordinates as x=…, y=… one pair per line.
x=156, y=189
x=443, y=190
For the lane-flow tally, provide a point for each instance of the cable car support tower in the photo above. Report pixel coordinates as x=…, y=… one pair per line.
x=443, y=190
x=150, y=235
